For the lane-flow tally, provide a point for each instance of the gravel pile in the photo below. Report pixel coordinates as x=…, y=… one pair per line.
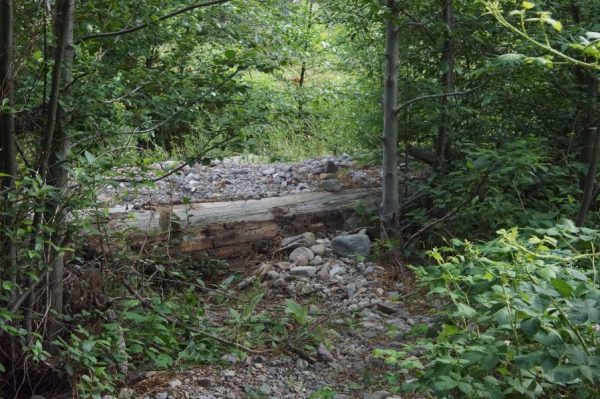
x=232, y=179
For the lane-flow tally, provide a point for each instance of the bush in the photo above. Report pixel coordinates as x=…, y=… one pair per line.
x=523, y=319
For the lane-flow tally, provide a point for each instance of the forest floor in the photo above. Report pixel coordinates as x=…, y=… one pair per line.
x=348, y=307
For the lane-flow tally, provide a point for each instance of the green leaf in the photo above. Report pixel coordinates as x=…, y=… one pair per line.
x=530, y=326
x=562, y=287
x=527, y=5
x=229, y=54
x=464, y=311
x=587, y=372
x=90, y=158
x=163, y=361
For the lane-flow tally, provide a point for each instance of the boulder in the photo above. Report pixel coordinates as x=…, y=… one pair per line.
x=352, y=244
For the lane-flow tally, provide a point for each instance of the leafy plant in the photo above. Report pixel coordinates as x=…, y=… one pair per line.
x=523, y=318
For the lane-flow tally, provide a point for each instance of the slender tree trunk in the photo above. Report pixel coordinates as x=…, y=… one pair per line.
x=62, y=22
x=303, y=67
x=64, y=15
x=8, y=161
x=390, y=205
x=590, y=151
x=58, y=170
x=448, y=79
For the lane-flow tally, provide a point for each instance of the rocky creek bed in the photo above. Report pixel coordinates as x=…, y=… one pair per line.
x=360, y=307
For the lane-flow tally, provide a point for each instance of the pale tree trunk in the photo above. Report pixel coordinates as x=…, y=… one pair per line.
x=390, y=204
x=447, y=79
x=8, y=162
x=303, y=67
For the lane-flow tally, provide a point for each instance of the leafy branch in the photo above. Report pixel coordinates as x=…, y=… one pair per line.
x=493, y=8
x=147, y=24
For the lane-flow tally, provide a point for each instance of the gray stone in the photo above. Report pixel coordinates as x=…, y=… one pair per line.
x=307, y=290
x=304, y=271
x=245, y=283
x=330, y=167
x=301, y=252
x=228, y=373
x=302, y=240
x=318, y=249
x=352, y=244
x=337, y=269
x=332, y=185
x=162, y=395
x=175, y=383
x=193, y=176
x=268, y=171
x=324, y=273
x=302, y=261
x=230, y=358
x=316, y=261
x=273, y=275
x=351, y=290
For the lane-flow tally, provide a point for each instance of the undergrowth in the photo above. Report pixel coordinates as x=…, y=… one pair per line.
x=522, y=319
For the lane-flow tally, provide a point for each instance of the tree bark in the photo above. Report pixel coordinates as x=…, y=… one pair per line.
x=390, y=204
x=8, y=161
x=58, y=169
x=63, y=20
x=590, y=151
x=447, y=78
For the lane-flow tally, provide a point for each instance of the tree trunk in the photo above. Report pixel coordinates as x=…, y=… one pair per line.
x=390, y=204
x=8, y=161
x=448, y=78
x=58, y=168
x=63, y=21
x=590, y=150
x=303, y=68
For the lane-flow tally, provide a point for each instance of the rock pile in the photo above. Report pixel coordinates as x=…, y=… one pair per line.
x=329, y=277
x=232, y=179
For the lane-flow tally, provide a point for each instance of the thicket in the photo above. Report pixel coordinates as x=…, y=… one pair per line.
x=497, y=116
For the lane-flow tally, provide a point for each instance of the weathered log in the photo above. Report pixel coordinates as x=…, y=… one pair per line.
x=237, y=228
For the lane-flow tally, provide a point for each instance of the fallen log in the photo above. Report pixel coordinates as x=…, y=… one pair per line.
x=237, y=228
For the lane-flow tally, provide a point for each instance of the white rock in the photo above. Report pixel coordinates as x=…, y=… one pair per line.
x=301, y=252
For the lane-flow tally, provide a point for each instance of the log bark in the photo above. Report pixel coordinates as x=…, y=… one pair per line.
x=237, y=228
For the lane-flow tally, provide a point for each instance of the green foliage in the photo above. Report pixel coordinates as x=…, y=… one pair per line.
x=298, y=312
x=498, y=186
x=89, y=360
x=522, y=318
